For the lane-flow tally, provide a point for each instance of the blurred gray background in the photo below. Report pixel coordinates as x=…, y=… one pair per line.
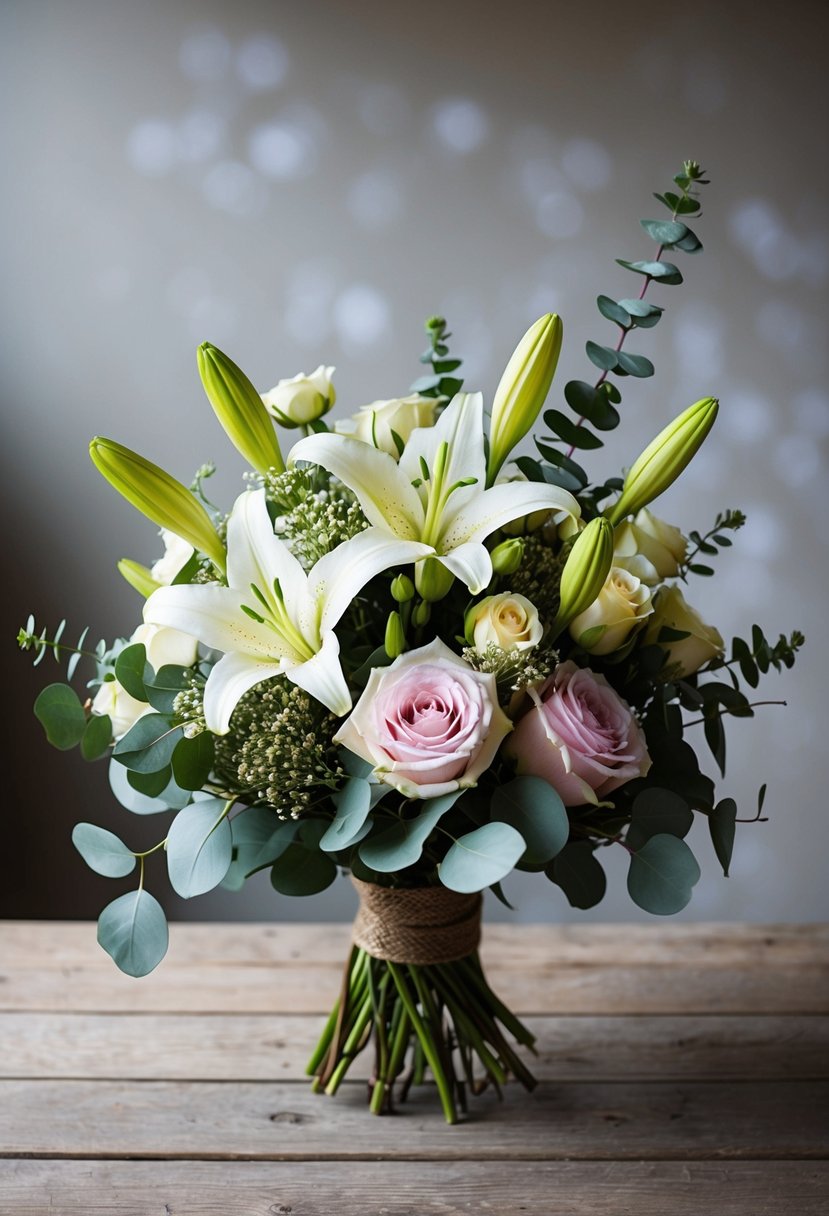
x=305, y=183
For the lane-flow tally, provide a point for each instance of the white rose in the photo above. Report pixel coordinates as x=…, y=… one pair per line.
x=620, y=606
x=509, y=621
x=166, y=646
x=380, y=421
x=177, y=554
x=302, y=399
x=124, y=711
x=704, y=642
x=649, y=547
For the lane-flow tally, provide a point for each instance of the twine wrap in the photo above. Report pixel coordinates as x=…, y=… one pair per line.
x=424, y=925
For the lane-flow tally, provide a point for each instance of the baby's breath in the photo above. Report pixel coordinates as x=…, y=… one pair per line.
x=513, y=669
x=188, y=708
x=279, y=749
x=311, y=521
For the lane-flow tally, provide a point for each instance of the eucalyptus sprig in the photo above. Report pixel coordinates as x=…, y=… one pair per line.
x=441, y=383
x=28, y=638
x=710, y=542
x=596, y=403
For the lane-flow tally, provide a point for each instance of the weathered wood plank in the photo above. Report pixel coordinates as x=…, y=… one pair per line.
x=540, y=988
x=39, y=944
x=84, y=1188
x=285, y=1121
x=257, y=1047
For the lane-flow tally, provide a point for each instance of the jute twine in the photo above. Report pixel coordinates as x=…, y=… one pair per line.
x=421, y=926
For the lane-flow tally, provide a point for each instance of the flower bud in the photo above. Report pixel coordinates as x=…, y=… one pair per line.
x=240, y=410
x=421, y=613
x=432, y=579
x=402, y=589
x=138, y=577
x=158, y=496
x=664, y=458
x=585, y=571
x=507, y=557
x=303, y=399
x=395, y=641
x=523, y=389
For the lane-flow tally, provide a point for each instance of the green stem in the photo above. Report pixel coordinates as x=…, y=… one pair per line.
x=426, y=1042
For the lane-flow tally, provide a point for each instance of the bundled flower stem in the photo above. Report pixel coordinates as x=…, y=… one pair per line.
x=443, y=1016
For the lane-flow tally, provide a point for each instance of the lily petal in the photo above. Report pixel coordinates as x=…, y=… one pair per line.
x=256, y=555
x=471, y=563
x=213, y=615
x=323, y=677
x=501, y=505
x=461, y=426
x=386, y=495
x=337, y=577
x=230, y=679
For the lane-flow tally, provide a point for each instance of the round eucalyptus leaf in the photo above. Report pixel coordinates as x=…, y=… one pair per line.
x=133, y=931
x=534, y=809
x=149, y=744
x=131, y=668
x=61, y=715
x=302, y=871
x=578, y=872
x=394, y=848
x=662, y=875
x=199, y=848
x=353, y=803
x=171, y=798
x=481, y=858
x=192, y=760
x=657, y=810
x=102, y=851
x=97, y=737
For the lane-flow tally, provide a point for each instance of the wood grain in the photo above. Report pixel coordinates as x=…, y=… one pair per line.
x=644, y=1188
x=285, y=1121
x=255, y=1047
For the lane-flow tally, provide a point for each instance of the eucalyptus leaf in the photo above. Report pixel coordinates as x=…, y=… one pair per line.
x=149, y=745
x=657, y=810
x=481, y=858
x=151, y=784
x=171, y=798
x=97, y=737
x=604, y=357
x=102, y=851
x=301, y=870
x=192, y=760
x=579, y=873
x=662, y=875
x=613, y=311
x=533, y=807
x=133, y=931
x=131, y=668
x=401, y=845
x=569, y=432
x=722, y=824
x=665, y=232
x=163, y=687
x=60, y=713
x=353, y=803
x=635, y=365
x=665, y=272
x=199, y=848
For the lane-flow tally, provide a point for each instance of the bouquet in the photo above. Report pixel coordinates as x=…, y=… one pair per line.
x=414, y=655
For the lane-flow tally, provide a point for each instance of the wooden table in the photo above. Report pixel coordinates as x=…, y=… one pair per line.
x=684, y=1071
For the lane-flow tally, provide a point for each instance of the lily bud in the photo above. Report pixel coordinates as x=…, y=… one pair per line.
x=664, y=459
x=523, y=389
x=158, y=496
x=395, y=640
x=507, y=557
x=402, y=589
x=240, y=409
x=432, y=579
x=585, y=572
x=138, y=577
x=421, y=613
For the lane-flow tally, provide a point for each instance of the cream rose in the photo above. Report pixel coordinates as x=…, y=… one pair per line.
x=580, y=736
x=649, y=547
x=704, y=642
x=429, y=724
x=379, y=422
x=507, y=620
x=163, y=646
x=123, y=710
x=177, y=554
x=302, y=399
x=621, y=605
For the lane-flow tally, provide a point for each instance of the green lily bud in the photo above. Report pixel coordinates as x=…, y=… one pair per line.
x=402, y=589
x=395, y=640
x=432, y=579
x=523, y=389
x=138, y=577
x=664, y=459
x=507, y=557
x=158, y=496
x=421, y=613
x=585, y=572
x=240, y=409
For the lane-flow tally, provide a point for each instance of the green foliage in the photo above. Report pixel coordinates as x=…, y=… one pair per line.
x=259, y=837
x=579, y=873
x=96, y=737
x=441, y=382
x=656, y=810
x=28, y=638
x=662, y=875
x=149, y=744
x=133, y=931
x=192, y=761
x=303, y=869
x=199, y=847
x=132, y=668
x=722, y=823
x=533, y=808
x=163, y=686
x=102, y=851
x=401, y=845
x=60, y=713
x=169, y=798
x=480, y=858
x=353, y=803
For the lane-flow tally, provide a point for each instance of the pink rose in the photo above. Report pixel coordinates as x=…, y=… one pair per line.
x=581, y=737
x=429, y=724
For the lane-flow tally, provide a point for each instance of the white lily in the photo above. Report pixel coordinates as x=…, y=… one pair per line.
x=436, y=494
x=272, y=618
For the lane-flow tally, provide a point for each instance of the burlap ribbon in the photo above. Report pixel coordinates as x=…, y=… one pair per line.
x=421, y=926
